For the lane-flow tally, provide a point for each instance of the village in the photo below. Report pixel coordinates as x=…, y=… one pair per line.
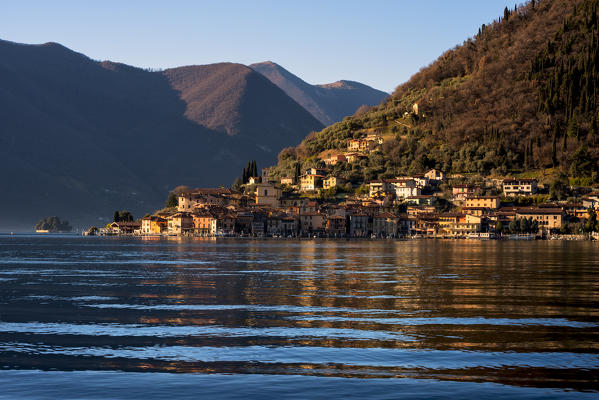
x=429, y=205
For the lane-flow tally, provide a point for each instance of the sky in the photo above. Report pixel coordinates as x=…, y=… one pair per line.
x=377, y=42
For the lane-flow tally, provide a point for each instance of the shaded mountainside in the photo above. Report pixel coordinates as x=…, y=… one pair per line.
x=521, y=95
x=329, y=103
x=81, y=138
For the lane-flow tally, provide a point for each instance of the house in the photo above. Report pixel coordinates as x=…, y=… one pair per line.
x=287, y=181
x=374, y=137
x=422, y=200
x=591, y=201
x=253, y=180
x=477, y=211
x=268, y=195
x=458, y=225
x=274, y=225
x=289, y=226
x=462, y=192
x=153, y=225
x=180, y=223
x=243, y=222
x=384, y=225
x=404, y=188
x=519, y=187
x=312, y=222
x=335, y=225
x=435, y=175
x=359, y=224
x=125, y=228
x=188, y=201
x=405, y=225
x=421, y=180
x=225, y=223
x=316, y=171
x=549, y=219
x=490, y=202
x=576, y=210
x=353, y=157
x=426, y=224
x=258, y=224
x=334, y=159
x=415, y=211
x=379, y=188
x=361, y=144
x=503, y=216
x=332, y=181
x=204, y=224
x=308, y=207
x=292, y=200
x=309, y=182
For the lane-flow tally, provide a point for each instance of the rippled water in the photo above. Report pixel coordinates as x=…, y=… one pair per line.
x=133, y=318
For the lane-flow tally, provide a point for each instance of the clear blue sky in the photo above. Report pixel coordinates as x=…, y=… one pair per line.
x=380, y=43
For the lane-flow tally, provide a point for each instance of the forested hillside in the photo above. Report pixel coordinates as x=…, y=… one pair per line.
x=521, y=95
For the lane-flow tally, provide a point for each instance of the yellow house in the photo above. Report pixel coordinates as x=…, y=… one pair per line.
x=332, y=181
x=359, y=145
x=548, y=218
x=310, y=182
x=204, y=224
x=153, y=225
x=492, y=202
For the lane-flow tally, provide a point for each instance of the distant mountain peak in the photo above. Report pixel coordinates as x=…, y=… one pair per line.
x=328, y=103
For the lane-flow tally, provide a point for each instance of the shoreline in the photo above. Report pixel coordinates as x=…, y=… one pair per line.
x=578, y=238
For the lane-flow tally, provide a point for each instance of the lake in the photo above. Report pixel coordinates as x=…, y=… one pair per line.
x=112, y=318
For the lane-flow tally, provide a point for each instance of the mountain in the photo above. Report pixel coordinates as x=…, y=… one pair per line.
x=80, y=138
x=518, y=97
x=328, y=103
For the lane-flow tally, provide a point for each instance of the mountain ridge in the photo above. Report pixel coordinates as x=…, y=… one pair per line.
x=329, y=102
x=81, y=138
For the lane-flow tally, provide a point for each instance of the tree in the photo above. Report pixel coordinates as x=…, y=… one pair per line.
x=116, y=217
x=237, y=183
x=514, y=226
x=534, y=226
x=580, y=164
x=524, y=225
x=172, y=201
x=559, y=187
x=499, y=227
x=297, y=173
x=591, y=224
x=124, y=216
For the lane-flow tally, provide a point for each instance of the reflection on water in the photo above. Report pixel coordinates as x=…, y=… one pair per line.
x=454, y=313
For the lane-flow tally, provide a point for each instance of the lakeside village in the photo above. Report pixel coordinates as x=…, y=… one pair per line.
x=430, y=205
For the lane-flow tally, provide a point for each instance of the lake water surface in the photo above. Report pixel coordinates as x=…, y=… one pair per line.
x=101, y=318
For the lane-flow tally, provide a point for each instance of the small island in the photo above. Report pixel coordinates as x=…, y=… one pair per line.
x=52, y=225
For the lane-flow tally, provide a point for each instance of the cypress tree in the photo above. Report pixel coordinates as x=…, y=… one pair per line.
x=116, y=217
x=297, y=173
x=554, y=148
